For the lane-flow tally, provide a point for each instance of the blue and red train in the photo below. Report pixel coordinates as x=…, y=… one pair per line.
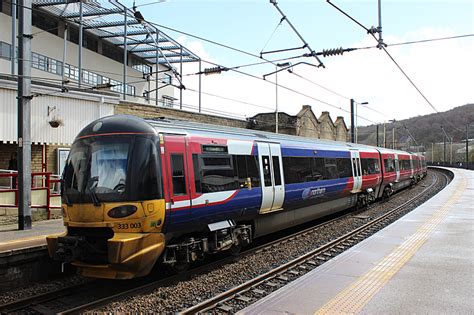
x=136, y=192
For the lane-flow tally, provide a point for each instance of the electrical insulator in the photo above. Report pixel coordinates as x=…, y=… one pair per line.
x=214, y=70
x=333, y=52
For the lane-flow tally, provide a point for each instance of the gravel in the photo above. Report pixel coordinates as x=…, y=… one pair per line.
x=40, y=288
x=200, y=287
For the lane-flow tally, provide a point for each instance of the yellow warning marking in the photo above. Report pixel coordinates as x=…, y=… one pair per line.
x=354, y=297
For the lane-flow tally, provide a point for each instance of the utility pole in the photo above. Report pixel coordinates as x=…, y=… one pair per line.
x=377, y=131
x=384, y=136
x=24, y=115
x=444, y=150
x=432, y=152
x=352, y=122
x=276, y=99
x=393, y=137
x=467, y=148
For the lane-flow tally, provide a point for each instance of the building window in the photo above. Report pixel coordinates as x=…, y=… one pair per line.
x=112, y=52
x=167, y=79
x=5, y=50
x=46, y=23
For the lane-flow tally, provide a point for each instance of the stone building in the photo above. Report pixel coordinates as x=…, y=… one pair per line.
x=304, y=124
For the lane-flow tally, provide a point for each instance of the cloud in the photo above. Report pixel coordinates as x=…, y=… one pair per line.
x=441, y=70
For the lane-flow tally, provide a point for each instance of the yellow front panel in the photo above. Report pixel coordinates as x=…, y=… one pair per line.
x=149, y=216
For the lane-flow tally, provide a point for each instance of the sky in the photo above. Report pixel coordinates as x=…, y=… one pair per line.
x=442, y=70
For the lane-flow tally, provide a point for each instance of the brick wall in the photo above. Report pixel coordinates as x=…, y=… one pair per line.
x=36, y=157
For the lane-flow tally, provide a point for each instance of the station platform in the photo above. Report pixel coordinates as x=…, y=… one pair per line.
x=420, y=264
x=12, y=239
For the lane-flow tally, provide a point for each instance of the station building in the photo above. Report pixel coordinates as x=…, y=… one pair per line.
x=92, y=59
x=88, y=58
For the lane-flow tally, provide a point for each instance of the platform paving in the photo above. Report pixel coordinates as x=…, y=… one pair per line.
x=421, y=264
x=12, y=238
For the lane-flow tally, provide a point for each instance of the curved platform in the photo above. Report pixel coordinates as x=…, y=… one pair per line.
x=423, y=263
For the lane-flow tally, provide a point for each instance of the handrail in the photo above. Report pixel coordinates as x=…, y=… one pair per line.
x=47, y=181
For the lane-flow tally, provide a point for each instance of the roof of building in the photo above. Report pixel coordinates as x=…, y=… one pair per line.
x=120, y=26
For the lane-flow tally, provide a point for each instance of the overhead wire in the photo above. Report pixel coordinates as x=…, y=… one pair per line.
x=390, y=56
x=231, y=48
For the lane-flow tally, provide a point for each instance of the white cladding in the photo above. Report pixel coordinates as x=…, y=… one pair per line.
x=74, y=109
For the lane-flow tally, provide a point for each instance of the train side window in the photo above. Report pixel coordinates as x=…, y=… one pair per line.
x=252, y=170
x=240, y=169
x=370, y=166
x=344, y=167
x=177, y=171
x=318, y=172
x=217, y=174
x=389, y=165
x=356, y=171
x=331, y=169
x=276, y=170
x=266, y=170
x=359, y=171
x=197, y=173
x=290, y=176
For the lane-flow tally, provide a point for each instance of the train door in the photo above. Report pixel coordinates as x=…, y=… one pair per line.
x=176, y=170
x=356, y=171
x=397, y=167
x=271, y=176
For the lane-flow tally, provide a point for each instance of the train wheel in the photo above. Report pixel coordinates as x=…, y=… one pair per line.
x=235, y=250
x=180, y=267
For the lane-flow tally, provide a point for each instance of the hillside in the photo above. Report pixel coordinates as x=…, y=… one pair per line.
x=425, y=129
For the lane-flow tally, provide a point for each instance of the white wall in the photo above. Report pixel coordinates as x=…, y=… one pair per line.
x=75, y=109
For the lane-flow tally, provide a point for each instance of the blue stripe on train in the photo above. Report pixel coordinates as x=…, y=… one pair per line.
x=289, y=151
x=248, y=202
x=244, y=202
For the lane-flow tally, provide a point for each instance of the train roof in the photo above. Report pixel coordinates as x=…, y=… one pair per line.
x=202, y=129
x=128, y=123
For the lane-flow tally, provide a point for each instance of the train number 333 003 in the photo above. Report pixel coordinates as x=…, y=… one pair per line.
x=123, y=226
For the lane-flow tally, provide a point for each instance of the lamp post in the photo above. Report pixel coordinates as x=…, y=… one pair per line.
x=353, y=118
x=281, y=65
x=393, y=133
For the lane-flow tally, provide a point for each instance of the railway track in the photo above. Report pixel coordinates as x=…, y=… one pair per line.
x=66, y=300
x=247, y=293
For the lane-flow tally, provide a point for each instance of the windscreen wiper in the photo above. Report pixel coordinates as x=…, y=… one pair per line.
x=91, y=184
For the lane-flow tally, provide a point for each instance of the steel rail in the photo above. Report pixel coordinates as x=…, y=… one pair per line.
x=217, y=303
x=31, y=301
x=50, y=296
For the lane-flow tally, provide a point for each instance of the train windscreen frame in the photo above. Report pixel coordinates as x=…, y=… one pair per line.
x=112, y=169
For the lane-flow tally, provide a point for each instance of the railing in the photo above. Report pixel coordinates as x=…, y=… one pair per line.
x=45, y=190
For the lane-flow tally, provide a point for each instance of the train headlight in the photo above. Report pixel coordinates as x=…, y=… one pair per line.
x=122, y=211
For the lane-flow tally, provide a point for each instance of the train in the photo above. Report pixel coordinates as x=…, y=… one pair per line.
x=138, y=193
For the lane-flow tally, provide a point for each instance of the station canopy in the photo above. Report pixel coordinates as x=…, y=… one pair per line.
x=120, y=26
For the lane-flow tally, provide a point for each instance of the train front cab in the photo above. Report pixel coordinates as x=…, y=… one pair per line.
x=113, y=204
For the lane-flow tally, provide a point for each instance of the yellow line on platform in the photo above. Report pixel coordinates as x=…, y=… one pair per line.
x=354, y=297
